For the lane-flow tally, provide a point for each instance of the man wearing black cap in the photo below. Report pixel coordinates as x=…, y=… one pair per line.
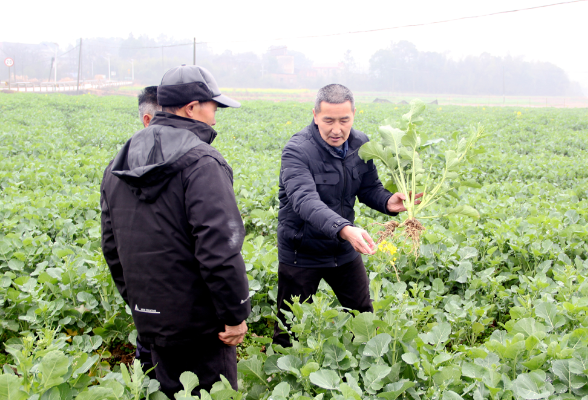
x=172, y=235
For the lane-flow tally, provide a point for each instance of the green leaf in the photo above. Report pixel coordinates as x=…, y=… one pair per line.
x=470, y=183
x=353, y=384
x=451, y=395
x=290, y=363
x=10, y=388
x=528, y=327
x=334, y=354
x=371, y=150
x=535, y=362
x=253, y=368
x=395, y=389
x=82, y=369
x=363, y=328
x=532, y=386
x=391, y=137
x=417, y=107
x=325, y=378
x=282, y=389
x=550, y=315
x=447, y=375
x=561, y=368
x=113, y=384
x=16, y=265
x=53, y=367
x=467, y=211
x=97, y=393
x=438, y=335
x=348, y=392
x=451, y=160
x=441, y=358
x=189, y=381
x=410, y=358
x=309, y=368
x=372, y=378
x=51, y=394
x=377, y=346
x=411, y=140
x=271, y=364
x=438, y=286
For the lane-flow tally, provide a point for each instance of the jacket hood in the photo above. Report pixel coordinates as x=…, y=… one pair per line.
x=155, y=154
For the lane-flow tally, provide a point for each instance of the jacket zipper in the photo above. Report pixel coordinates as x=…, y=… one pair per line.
x=344, y=186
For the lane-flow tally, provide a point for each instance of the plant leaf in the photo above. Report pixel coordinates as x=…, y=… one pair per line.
x=325, y=378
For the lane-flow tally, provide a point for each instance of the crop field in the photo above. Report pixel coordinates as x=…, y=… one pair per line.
x=493, y=308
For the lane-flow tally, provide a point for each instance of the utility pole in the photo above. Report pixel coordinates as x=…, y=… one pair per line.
x=194, y=50
x=51, y=68
x=79, y=66
x=503, y=93
x=55, y=69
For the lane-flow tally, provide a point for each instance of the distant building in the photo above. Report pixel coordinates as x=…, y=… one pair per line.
x=327, y=70
x=286, y=64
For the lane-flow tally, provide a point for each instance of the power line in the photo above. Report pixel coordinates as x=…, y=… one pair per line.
x=426, y=23
x=338, y=33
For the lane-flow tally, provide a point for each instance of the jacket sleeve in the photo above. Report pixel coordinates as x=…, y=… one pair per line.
x=109, y=244
x=218, y=232
x=301, y=191
x=372, y=192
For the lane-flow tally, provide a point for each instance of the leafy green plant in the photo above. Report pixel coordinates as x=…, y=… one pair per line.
x=400, y=150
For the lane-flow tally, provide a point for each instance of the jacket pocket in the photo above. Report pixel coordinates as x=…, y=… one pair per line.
x=359, y=170
x=298, y=236
x=331, y=178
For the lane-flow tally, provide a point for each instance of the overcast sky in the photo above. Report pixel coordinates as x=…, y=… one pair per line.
x=556, y=34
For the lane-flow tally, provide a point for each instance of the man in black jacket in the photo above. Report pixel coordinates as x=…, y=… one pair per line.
x=320, y=177
x=172, y=235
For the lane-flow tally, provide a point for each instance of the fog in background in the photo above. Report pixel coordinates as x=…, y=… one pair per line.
x=307, y=44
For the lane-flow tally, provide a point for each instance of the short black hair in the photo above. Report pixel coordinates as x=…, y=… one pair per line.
x=148, y=101
x=333, y=94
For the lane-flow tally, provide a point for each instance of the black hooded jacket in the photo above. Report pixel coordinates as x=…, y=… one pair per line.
x=317, y=193
x=172, y=232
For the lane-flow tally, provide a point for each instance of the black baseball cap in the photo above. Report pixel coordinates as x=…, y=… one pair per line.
x=186, y=83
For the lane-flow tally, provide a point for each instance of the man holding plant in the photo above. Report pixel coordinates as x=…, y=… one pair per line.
x=320, y=178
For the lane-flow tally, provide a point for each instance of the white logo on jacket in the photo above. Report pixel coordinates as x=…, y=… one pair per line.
x=146, y=310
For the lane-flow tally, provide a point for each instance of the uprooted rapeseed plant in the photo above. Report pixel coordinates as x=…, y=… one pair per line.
x=404, y=151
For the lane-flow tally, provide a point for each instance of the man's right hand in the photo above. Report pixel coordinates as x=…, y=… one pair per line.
x=359, y=239
x=233, y=335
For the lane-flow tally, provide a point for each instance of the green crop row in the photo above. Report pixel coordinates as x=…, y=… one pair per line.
x=491, y=309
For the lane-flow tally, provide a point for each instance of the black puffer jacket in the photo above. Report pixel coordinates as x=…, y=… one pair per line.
x=172, y=232
x=317, y=194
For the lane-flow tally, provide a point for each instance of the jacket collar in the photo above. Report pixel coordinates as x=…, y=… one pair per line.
x=200, y=129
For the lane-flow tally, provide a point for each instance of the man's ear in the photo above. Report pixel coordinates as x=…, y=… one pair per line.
x=147, y=119
x=314, y=115
x=190, y=109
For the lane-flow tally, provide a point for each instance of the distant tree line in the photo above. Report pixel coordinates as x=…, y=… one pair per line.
x=400, y=67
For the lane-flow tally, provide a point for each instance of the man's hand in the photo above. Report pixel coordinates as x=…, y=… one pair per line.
x=233, y=335
x=395, y=202
x=358, y=237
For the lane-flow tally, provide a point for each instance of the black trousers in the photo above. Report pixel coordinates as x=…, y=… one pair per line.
x=207, y=357
x=349, y=282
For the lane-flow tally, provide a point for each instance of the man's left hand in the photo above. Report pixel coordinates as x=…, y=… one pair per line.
x=233, y=335
x=395, y=203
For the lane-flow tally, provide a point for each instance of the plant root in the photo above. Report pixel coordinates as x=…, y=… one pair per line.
x=413, y=230
x=388, y=232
